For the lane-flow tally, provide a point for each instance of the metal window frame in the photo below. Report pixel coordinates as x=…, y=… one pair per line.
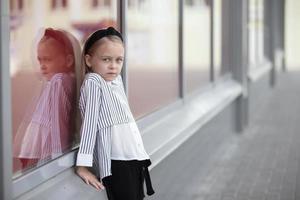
x=122, y=16
x=212, y=41
x=5, y=107
x=181, y=72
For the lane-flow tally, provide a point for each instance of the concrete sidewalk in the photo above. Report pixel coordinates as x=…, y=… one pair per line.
x=259, y=164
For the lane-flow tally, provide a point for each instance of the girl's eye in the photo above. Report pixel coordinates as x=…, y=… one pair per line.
x=119, y=60
x=105, y=59
x=44, y=60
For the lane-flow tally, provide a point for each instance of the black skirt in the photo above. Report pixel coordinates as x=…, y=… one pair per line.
x=127, y=180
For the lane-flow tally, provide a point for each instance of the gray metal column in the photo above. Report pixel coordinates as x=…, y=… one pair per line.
x=212, y=47
x=269, y=35
x=181, y=70
x=122, y=20
x=235, y=52
x=282, y=7
x=5, y=107
x=274, y=39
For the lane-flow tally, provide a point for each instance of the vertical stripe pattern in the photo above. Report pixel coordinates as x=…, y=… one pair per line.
x=47, y=134
x=100, y=108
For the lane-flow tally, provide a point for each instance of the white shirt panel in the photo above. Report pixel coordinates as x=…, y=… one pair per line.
x=127, y=143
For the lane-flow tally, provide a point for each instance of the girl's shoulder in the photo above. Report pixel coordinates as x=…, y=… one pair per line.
x=93, y=78
x=61, y=78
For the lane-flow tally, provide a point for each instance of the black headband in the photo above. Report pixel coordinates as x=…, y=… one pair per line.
x=97, y=35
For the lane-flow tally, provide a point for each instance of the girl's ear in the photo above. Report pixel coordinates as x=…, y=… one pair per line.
x=87, y=59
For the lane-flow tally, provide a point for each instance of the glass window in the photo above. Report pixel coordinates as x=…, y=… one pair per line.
x=59, y=4
x=217, y=37
x=16, y=6
x=44, y=63
x=196, y=44
x=152, y=54
x=256, y=32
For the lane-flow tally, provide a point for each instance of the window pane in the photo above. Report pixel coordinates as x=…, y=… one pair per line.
x=152, y=54
x=260, y=29
x=256, y=32
x=217, y=37
x=42, y=69
x=196, y=43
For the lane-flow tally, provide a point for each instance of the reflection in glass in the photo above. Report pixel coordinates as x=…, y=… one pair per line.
x=196, y=44
x=80, y=18
x=47, y=127
x=152, y=54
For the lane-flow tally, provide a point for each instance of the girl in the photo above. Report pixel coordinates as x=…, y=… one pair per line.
x=110, y=138
x=45, y=131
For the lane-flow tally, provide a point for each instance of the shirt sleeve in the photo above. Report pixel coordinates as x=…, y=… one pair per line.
x=90, y=101
x=56, y=97
x=62, y=98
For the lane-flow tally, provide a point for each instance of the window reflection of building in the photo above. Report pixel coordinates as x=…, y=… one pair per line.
x=136, y=3
x=194, y=3
x=196, y=45
x=16, y=11
x=59, y=4
x=16, y=5
x=97, y=3
x=256, y=32
x=152, y=55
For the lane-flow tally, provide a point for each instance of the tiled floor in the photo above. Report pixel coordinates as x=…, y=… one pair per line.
x=260, y=164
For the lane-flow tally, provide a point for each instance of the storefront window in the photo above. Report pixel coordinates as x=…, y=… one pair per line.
x=152, y=54
x=196, y=43
x=217, y=37
x=45, y=53
x=256, y=32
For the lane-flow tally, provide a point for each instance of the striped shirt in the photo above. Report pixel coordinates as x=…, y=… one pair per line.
x=48, y=132
x=101, y=108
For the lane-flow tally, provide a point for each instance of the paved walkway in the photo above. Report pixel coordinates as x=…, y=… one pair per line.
x=260, y=164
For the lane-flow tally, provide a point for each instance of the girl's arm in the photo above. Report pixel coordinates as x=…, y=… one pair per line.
x=60, y=111
x=89, y=178
x=90, y=101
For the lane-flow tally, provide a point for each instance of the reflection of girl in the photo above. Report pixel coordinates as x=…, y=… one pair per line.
x=46, y=132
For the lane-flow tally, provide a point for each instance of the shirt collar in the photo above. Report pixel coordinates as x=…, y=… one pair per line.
x=114, y=82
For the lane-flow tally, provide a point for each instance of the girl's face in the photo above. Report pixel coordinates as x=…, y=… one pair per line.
x=52, y=58
x=107, y=59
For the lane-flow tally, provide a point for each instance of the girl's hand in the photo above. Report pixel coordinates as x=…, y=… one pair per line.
x=89, y=178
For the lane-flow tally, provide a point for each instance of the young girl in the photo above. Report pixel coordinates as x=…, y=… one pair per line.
x=110, y=138
x=46, y=130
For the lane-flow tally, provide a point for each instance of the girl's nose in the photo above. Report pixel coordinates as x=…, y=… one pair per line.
x=113, y=65
x=42, y=64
